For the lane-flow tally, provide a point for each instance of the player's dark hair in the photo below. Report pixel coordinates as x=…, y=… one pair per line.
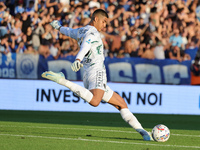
x=99, y=12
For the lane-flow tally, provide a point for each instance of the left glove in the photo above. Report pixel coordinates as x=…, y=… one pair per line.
x=76, y=65
x=55, y=24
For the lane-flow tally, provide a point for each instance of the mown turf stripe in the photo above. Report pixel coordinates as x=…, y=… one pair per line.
x=102, y=141
x=84, y=129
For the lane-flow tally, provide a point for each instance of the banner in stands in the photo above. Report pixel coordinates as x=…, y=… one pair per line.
x=8, y=65
x=133, y=70
x=27, y=66
x=46, y=95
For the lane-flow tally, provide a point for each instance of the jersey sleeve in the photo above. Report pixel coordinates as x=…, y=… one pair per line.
x=85, y=46
x=73, y=33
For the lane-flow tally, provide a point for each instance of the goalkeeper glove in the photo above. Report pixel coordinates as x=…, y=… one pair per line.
x=76, y=65
x=55, y=24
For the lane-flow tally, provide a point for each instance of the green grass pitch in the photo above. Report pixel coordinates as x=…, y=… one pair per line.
x=38, y=130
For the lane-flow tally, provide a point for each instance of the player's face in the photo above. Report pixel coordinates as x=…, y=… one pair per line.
x=101, y=22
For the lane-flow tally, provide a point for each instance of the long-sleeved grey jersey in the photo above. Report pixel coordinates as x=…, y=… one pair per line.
x=91, y=46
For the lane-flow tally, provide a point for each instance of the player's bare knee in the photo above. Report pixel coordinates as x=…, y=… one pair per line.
x=94, y=103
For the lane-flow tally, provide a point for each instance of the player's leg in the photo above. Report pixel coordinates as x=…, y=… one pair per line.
x=117, y=101
x=93, y=97
x=97, y=97
x=94, y=80
x=60, y=79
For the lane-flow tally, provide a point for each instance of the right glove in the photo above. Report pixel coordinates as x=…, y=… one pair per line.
x=55, y=24
x=76, y=65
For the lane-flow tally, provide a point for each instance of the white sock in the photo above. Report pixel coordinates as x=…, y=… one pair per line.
x=130, y=118
x=79, y=90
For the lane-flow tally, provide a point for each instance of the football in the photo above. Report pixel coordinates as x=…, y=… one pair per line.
x=160, y=133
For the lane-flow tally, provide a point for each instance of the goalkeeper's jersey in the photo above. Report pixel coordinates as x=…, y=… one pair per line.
x=91, y=46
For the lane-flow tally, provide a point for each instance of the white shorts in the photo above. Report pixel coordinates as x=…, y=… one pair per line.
x=97, y=79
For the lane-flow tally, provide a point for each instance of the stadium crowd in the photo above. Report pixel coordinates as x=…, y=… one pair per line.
x=151, y=29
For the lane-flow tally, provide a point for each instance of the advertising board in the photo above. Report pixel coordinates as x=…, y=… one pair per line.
x=43, y=95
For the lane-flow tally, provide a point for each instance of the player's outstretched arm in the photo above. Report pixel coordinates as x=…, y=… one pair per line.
x=73, y=33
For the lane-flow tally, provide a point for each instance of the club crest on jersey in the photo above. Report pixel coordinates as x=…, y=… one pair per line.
x=88, y=41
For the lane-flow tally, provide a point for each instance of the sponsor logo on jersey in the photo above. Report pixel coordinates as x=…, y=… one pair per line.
x=88, y=41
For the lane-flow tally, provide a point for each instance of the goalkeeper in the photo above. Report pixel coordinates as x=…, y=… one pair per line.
x=94, y=77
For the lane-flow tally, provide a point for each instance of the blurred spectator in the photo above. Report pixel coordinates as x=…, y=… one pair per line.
x=2, y=10
x=52, y=4
x=86, y=11
x=76, y=17
x=175, y=53
x=72, y=46
x=184, y=38
x=21, y=48
x=37, y=35
x=28, y=37
x=66, y=19
x=191, y=29
x=198, y=10
x=19, y=8
x=176, y=39
x=55, y=50
x=26, y=22
x=7, y=17
x=195, y=67
x=191, y=44
x=30, y=49
x=133, y=18
x=197, y=37
x=17, y=31
x=47, y=36
x=148, y=52
x=159, y=51
x=17, y=17
x=40, y=7
x=51, y=13
x=65, y=5
x=111, y=12
x=113, y=39
x=30, y=8
x=178, y=54
x=94, y=3
x=35, y=19
x=65, y=47
x=102, y=6
x=44, y=50
x=4, y=46
x=161, y=23
x=74, y=49
x=12, y=42
x=132, y=45
x=121, y=53
x=126, y=4
x=3, y=29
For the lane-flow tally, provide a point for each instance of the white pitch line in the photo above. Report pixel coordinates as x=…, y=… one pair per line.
x=185, y=135
x=85, y=129
x=102, y=141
